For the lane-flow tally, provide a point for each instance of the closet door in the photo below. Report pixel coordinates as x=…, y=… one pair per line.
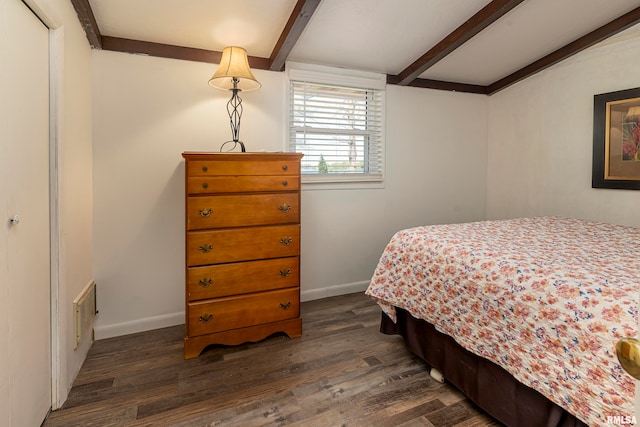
x=25, y=348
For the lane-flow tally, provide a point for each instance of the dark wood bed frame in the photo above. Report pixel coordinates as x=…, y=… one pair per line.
x=489, y=386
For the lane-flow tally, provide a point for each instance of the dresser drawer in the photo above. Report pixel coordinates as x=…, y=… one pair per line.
x=241, y=184
x=242, y=226
x=243, y=167
x=224, y=314
x=242, y=210
x=242, y=277
x=242, y=244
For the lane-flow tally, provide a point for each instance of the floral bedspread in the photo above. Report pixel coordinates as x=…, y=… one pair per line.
x=545, y=298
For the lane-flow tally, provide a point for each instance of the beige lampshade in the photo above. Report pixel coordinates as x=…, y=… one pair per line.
x=633, y=112
x=234, y=63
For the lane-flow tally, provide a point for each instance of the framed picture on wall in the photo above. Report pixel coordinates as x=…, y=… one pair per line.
x=616, y=140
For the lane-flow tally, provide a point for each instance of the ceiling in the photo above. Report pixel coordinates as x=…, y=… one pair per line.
x=479, y=46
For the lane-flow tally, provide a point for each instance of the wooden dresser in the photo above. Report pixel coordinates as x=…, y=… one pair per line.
x=242, y=221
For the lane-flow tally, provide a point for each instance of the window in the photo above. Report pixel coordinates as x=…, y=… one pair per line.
x=337, y=122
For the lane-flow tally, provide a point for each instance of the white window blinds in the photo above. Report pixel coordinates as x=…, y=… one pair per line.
x=339, y=129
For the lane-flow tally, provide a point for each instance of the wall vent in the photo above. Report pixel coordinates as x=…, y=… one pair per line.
x=85, y=312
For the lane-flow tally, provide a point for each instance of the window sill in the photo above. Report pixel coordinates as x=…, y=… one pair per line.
x=341, y=183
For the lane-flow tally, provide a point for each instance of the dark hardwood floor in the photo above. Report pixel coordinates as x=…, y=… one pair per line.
x=341, y=372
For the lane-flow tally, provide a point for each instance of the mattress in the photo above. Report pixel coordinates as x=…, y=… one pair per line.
x=545, y=298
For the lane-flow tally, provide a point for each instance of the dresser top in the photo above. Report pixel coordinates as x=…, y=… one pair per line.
x=202, y=155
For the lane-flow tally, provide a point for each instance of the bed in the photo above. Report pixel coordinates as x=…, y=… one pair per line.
x=522, y=315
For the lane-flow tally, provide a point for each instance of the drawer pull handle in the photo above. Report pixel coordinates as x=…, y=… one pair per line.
x=285, y=273
x=285, y=305
x=206, y=282
x=205, y=168
x=285, y=183
x=285, y=167
x=205, y=213
x=205, y=185
x=286, y=241
x=205, y=248
x=285, y=208
x=205, y=317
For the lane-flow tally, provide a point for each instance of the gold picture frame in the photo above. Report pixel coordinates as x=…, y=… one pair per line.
x=616, y=140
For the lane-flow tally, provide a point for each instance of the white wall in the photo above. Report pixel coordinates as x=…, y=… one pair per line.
x=435, y=173
x=147, y=111
x=71, y=66
x=541, y=138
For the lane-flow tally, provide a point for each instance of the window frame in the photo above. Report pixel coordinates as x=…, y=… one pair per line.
x=316, y=74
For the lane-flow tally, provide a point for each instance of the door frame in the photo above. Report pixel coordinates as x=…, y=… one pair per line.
x=56, y=71
x=56, y=42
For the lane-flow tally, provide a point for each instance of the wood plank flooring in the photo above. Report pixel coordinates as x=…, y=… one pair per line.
x=341, y=372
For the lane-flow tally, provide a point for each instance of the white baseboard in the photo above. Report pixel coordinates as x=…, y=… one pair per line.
x=173, y=319
x=141, y=325
x=332, y=291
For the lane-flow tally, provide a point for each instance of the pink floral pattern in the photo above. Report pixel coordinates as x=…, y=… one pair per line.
x=545, y=298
